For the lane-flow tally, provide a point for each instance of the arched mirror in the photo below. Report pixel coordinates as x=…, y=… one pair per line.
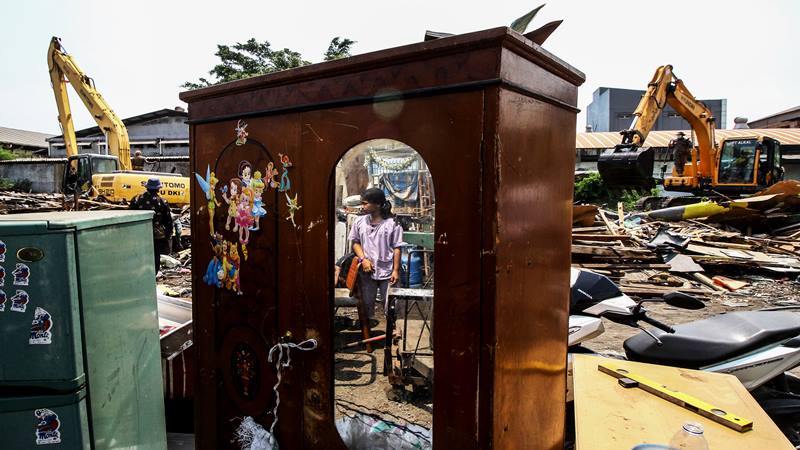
x=384, y=275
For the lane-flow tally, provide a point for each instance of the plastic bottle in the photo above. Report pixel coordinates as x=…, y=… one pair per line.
x=690, y=437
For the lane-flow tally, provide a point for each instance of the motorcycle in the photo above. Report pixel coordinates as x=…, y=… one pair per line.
x=757, y=347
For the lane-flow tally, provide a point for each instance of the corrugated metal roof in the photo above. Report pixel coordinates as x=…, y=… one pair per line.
x=601, y=140
x=23, y=138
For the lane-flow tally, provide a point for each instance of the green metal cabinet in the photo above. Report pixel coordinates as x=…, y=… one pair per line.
x=80, y=339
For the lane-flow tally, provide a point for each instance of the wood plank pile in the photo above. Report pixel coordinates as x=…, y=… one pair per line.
x=648, y=259
x=20, y=202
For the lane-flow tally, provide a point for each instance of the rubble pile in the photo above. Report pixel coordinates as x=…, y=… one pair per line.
x=753, y=240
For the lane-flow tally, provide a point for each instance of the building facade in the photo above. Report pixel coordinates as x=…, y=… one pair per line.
x=612, y=110
x=158, y=133
x=789, y=118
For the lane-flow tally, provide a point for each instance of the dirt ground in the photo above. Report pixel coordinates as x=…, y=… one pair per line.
x=360, y=384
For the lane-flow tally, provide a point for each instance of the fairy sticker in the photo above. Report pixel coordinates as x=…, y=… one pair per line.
x=40, y=327
x=21, y=274
x=293, y=206
x=2, y=251
x=19, y=302
x=209, y=186
x=3, y=299
x=270, y=175
x=230, y=194
x=286, y=183
x=241, y=133
x=257, y=185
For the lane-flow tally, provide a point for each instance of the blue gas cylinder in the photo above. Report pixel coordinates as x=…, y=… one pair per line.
x=412, y=269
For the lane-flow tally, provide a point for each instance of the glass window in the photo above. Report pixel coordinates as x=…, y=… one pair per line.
x=737, y=161
x=102, y=165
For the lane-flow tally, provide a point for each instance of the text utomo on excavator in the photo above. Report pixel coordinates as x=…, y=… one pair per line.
x=108, y=176
x=736, y=166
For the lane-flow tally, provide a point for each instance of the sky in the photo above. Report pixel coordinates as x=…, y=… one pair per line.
x=139, y=53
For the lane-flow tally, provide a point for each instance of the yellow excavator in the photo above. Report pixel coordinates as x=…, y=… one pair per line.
x=734, y=167
x=101, y=176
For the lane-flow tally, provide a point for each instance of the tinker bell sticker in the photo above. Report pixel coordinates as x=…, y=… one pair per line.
x=21, y=274
x=209, y=187
x=241, y=133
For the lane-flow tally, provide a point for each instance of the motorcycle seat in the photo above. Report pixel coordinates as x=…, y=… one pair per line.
x=716, y=339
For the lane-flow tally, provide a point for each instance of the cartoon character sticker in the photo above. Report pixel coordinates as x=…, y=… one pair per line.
x=47, y=427
x=19, y=302
x=230, y=194
x=257, y=185
x=40, y=327
x=270, y=175
x=2, y=276
x=223, y=269
x=244, y=215
x=241, y=133
x=209, y=186
x=286, y=183
x=21, y=274
x=3, y=299
x=2, y=251
x=293, y=206
x=245, y=173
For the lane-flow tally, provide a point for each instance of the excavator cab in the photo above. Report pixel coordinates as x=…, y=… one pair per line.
x=80, y=168
x=749, y=164
x=627, y=165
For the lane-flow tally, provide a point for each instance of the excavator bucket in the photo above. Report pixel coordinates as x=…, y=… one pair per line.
x=627, y=166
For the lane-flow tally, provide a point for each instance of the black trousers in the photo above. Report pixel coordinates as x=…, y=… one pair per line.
x=161, y=247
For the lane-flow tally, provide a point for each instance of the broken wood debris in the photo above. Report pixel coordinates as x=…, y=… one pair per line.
x=697, y=256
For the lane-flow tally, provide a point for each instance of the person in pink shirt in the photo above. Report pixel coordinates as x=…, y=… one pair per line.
x=376, y=241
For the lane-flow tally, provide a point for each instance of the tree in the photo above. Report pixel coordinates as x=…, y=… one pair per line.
x=338, y=48
x=251, y=58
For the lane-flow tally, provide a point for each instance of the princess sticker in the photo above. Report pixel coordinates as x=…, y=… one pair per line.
x=286, y=183
x=244, y=215
x=245, y=171
x=258, y=203
x=241, y=133
x=231, y=197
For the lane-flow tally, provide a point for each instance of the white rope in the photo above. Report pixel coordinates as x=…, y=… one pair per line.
x=280, y=364
x=251, y=435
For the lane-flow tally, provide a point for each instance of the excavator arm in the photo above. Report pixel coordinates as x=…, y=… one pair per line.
x=63, y=70
x=630, y=165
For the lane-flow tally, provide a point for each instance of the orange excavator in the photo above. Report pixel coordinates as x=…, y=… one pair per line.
x=734, y=167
